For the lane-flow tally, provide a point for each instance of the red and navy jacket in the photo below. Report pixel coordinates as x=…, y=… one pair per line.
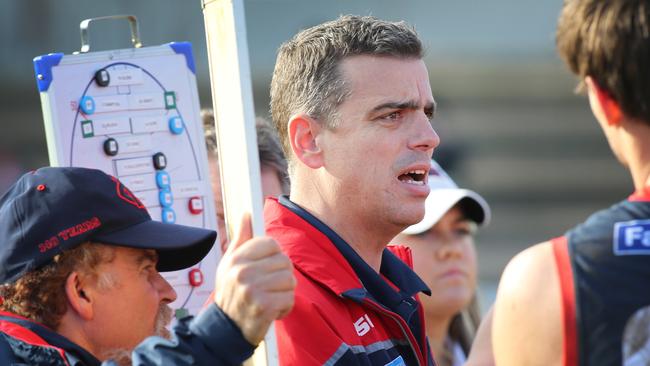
x=23, y=342
x=210, y=338
x=604, y=270
x=345, y=313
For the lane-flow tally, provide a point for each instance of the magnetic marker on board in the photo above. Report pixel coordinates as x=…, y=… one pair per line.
x=110, y=147
x=159, y=161
x=102, y=78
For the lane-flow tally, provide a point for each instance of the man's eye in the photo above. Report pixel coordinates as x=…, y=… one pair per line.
x=393, y=116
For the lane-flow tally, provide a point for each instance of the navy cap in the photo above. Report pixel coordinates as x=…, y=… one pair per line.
x=53, y=209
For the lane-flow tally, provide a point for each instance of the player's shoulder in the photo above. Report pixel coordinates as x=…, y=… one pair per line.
x=528, y=306
x=530, y=280
x=528, y=268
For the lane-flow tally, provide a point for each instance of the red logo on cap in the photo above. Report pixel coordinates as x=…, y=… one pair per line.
x=126, y=195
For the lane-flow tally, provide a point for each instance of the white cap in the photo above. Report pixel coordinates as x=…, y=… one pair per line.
x=443, y=196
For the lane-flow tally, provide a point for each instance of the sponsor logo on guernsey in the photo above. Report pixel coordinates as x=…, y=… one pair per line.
x=632, y=237
x=363, y=325
x=399, y=361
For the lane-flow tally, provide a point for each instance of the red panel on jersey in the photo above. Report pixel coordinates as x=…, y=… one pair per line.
x=570, y=338
x=640, y=196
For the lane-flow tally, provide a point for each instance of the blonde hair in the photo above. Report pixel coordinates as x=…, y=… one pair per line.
x=462, y=330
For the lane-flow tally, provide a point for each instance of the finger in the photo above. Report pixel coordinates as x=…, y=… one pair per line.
x=244, y=233
x=254, y=272
x=259, y=248
x=278, y=281
x=267, y=264
x=276, y=262
x=282, y=303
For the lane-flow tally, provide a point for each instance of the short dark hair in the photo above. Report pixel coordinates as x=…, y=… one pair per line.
x=307, y=77
x=268, y=145
x=610, y=42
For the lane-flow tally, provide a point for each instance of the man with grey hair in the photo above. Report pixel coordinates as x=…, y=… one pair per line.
x=80, y=283
x=353, y=106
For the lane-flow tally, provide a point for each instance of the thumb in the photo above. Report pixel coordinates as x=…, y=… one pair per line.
x=244, y=233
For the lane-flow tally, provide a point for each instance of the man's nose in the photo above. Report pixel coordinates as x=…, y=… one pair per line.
x=425, y=137
x=166, y=291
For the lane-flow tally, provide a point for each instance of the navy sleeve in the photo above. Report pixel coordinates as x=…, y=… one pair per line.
x=7, y=356
x=211, y=338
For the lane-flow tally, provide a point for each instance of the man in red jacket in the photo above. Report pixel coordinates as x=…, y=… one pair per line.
x=353, y=106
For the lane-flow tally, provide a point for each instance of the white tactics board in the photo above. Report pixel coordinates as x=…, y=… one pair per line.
x=134, y=113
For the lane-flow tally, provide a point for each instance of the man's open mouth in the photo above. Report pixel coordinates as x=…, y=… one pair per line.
x=416, y=177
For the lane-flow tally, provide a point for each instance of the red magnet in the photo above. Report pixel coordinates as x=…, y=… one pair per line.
x=196, y=277
x=196, y=205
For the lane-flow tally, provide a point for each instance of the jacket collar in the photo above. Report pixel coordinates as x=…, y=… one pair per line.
x=75, y=354
x=353, y=272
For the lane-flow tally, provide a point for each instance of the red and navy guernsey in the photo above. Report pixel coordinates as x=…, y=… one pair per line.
x=345, y=313
x=604, y=269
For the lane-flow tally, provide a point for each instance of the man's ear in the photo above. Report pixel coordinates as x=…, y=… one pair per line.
x=303, y=133
x=79, y=296
x=603, y=103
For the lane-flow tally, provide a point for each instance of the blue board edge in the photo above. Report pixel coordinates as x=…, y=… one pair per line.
x=43, y=67
x=185, y=48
